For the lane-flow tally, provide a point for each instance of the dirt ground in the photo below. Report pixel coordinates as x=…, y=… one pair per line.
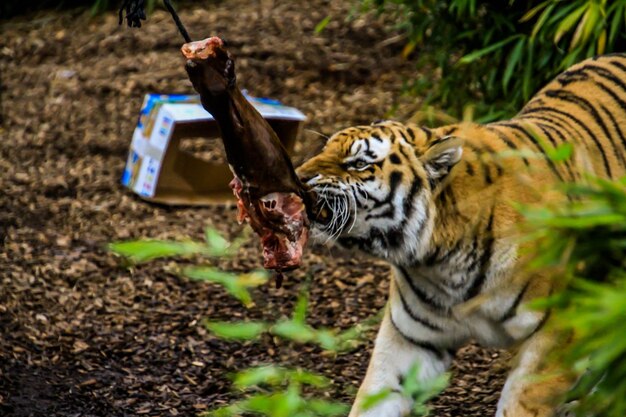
x=80, y=334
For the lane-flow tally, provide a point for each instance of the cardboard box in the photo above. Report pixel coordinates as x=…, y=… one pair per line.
x=158, y=169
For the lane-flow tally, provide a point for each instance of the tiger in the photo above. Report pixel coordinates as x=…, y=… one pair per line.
x=436, y=205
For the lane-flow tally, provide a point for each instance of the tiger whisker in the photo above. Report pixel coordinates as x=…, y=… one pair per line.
x=318, y=133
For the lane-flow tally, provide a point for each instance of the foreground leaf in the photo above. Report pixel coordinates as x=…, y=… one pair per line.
x=236, y=285
x=250, y=330
x=138, y=251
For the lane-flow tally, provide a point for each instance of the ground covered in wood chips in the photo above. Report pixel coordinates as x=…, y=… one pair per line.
x=80, y=334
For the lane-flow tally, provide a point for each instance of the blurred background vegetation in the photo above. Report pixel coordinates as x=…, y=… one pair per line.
x=492, y=55
x=495, y=54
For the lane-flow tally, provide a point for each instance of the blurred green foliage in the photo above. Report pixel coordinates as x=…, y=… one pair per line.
x=419, y=391
x=495, y=54
x=277, y=392
x=297, y=330
x=583, y=243
x=270, y=391
x=214, y=246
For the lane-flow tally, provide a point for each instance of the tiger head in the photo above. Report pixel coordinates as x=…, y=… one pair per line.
x=375, y=187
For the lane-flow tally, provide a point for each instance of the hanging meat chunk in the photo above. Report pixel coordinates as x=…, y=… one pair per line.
x=270, y=195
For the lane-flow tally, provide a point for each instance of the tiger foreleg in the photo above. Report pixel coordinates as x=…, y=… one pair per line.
x=536, y=385
x=391, y=359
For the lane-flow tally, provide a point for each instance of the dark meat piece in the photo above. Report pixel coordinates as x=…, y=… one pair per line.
x=271, y=197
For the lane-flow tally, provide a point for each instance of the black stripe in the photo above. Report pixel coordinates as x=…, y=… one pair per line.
x=537, y=145
x=395, y=178
x=376, y=138
x=448, y=200
x=559, y=122
x=512, y=310
x=429, y=133
x=397, y=235
x=484, y=166
x=411, y=133
x=403, y=152
x=408, y=205
x=441, y=257
x=439, y=140
x=569, y=77
x=542, y=322
x=395, y=159
x=469, y=169
x=473, y=254
x=506, y=141
x=618, y=64
x=415, y=317
x=585, y=105
x=419, y=343
x=545, y=129
x=608, y=75
x=432, y=257
x=449, y=131
x=485, y=257
x=419, y=294
x=618, y=130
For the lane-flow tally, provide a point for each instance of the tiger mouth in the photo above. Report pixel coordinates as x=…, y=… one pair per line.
x=332, y=213
x=323, y=216
x=320, y=215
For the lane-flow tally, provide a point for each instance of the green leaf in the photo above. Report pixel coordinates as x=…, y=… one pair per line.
x=271, y=375
x=527, y=84
x=293, y=330
x=541, y=21
x=561, y=153
x=236, y=285
x=216, y=242
x=532, y=12
x=473, y=56
x=324, y=408
x=275, y=376
x=616, y=22
x=328, y=340
x=585, y=26
x=237, y=330
x=304, y=377
x=299, y=312
x=568, y=22
x=372, y=400
x=236, y=409
x=513, y=60
x=319, y=28
x=139, y=251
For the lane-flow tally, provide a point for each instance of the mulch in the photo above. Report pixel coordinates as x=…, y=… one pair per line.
x=83, y=335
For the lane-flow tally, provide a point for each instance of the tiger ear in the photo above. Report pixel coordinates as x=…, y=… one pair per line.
x=441, y=156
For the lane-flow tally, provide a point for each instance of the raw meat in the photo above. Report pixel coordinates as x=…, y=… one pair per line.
x=270, y=195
